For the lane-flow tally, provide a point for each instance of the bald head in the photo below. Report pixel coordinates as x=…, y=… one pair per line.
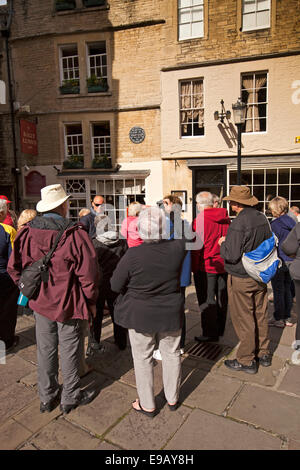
x=97, y=203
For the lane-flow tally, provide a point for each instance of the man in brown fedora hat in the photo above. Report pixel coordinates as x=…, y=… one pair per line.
x=247, y=298
x=66, y=299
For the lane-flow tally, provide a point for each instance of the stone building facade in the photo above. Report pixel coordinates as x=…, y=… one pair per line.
x=149, y=128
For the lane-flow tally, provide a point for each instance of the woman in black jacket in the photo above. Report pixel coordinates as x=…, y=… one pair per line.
x=151, y=306
x=291, y=247
x=109, y=249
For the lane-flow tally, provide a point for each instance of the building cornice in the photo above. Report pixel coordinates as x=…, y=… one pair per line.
x=106, y=29
x=232, y=60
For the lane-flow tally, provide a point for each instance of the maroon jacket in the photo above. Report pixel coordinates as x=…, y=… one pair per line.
x=73, y=269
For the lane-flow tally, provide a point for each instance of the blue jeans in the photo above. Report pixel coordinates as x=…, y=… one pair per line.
x=283, y=301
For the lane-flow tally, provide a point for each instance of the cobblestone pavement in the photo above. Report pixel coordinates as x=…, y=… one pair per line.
x=220, y=409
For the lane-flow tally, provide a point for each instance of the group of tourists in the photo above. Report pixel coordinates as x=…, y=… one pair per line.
x=140, y=275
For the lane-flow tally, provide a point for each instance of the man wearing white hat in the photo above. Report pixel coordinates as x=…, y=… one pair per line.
x=64, y=301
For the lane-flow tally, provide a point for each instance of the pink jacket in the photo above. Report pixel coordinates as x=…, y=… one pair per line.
x=129, y=231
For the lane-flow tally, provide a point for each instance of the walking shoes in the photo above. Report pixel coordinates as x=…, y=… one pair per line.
x=237, y=366
x=84, y=398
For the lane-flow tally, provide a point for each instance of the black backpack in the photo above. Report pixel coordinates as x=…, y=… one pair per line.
x=31, y=278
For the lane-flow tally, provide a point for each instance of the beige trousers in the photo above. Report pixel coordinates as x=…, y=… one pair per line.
x=142, y=346
x=248, y=306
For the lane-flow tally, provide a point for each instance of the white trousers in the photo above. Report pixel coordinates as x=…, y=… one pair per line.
x=142, y=346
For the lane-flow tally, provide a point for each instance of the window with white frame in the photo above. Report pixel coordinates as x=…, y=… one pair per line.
x=97, y=60
x=69, y=63
x=256, y=14
x=73, y=140
x=118, y=194
x=77, y=189
x=190, y=19
x=267, y=183
x=101, y=141
x=191, y=108
x=254, y=94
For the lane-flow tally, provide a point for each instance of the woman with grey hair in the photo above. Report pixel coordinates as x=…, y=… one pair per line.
x=151, y=306
x=129, y=228
x=8, y=291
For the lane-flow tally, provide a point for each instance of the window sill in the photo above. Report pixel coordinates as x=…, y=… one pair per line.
x=80, y=10
x=192, y=136
x=86, y=95
x=253, y=30
x=191, y=39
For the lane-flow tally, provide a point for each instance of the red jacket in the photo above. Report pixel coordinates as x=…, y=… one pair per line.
x=73, y=269
x=210, y=224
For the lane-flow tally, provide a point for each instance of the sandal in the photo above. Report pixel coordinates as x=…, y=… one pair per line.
x=150, y=414
x=173, y=407
x=288, y=323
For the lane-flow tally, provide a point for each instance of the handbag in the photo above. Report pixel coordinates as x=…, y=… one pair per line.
x=32, y=276
x=262, y=263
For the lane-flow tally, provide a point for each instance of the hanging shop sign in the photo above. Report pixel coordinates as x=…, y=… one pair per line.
x=29, y=144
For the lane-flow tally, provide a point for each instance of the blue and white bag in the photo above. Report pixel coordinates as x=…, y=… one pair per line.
x=262, y=263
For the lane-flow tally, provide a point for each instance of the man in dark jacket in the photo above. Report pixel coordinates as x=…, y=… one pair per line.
x=64, y=301
x=89, y=220
x=247, y=297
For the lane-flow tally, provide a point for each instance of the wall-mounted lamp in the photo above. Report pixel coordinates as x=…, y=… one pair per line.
x=220, y=116
x=239, y=115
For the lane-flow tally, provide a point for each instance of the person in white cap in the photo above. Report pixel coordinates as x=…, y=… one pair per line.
x=68, y=298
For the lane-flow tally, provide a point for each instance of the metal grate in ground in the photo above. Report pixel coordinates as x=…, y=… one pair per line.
x=211, y=351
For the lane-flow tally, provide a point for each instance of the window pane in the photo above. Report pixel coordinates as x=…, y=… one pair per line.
x=271, y=176
x=295, y=176
x=185, y=16
x=246, y=178
x=197, y=30
x=249, y=21
x=258, y=177
x=184, y=3
x=284, y=176
x=184, y=31
x=263, y=5
x=197, y=14
x=263, y=18
x=248, y=6
x=259, y=192
x=271, y=192
x=283, y=191
x=295, y=192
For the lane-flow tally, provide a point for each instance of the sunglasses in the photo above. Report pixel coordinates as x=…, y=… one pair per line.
x=97, y=205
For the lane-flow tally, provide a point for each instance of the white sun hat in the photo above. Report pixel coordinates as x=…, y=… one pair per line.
x=51, y=197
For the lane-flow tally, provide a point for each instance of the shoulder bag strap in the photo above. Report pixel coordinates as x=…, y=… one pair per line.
x=49, y=255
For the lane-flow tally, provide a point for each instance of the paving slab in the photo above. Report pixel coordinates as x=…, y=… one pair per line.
x=12, y=435
x=106, y=409
x=62, y=435
x=13, y=399
x=139, y=432
x=205, y=431
x=14, y=369
x=33, y=419
x=291, y=381
x=266, y=376
x=271, y=410
x=209, y=392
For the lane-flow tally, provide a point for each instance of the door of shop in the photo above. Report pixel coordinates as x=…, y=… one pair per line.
x=209, y=178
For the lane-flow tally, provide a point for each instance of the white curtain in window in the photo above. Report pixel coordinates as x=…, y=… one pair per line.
x=191, y=102
x=252, y=114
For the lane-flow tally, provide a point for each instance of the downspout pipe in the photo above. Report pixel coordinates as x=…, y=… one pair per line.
x=16, y=171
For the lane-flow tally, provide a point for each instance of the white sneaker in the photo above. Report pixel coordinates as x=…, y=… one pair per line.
x=181, y=351
x=157, y=355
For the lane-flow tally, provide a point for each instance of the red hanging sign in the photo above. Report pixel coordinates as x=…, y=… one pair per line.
x=29, y=143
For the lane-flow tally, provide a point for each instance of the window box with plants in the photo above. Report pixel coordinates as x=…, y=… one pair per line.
x=93, y=3
x=71, y=86
x=65, y=5
x=101, y=161
x=96, y=85
x=73, y=162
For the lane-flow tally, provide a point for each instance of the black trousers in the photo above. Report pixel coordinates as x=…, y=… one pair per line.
x=211, y=290
x=8, y=309
x=120, y=333
x=297, y=290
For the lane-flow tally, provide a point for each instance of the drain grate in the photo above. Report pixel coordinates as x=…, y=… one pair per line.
x=209, y=351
